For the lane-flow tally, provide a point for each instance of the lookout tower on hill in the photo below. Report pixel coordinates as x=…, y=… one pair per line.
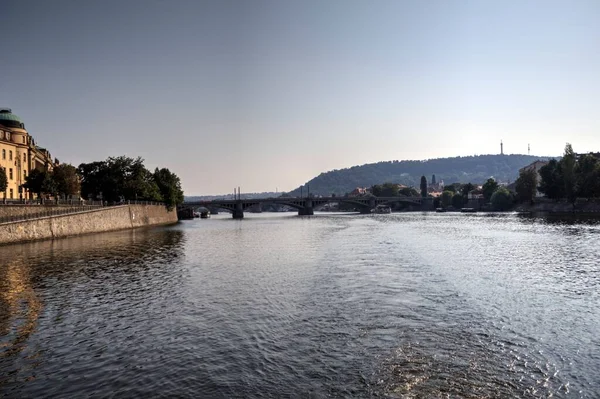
x=501, y=148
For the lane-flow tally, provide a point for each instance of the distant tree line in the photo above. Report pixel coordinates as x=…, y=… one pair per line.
x=113, y=180
x=569, y=178
x=393, y=190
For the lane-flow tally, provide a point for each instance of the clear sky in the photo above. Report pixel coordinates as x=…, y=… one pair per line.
x=268, y=94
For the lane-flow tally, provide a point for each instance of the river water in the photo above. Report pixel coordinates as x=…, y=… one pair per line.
x=401, y=306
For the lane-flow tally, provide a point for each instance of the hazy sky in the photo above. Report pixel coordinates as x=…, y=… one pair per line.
x=268, y=94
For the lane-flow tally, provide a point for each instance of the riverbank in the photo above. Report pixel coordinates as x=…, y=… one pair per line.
x=85, y=222
x=544, y=206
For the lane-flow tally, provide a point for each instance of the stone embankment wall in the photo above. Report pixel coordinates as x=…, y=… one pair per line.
x=92, y=221
x=548, y=206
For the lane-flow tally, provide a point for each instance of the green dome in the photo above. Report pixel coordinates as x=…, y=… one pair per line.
x=8, y=119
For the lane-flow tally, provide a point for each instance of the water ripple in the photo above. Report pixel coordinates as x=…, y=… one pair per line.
x=397, y=306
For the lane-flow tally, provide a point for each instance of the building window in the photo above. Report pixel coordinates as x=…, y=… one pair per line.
x=10, y=155
x=10, y=174
x=24, y=158
x=25, y=175
x=11, y=193
x=23, y=138
x=7, y=136
x=3, y=154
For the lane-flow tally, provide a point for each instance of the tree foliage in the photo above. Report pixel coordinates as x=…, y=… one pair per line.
x=454, y=187
x=125, y=178
x=571, y=177
x=466, y=189
x=501, y=199
x=393, y=190
x=446, y=198
x=385, y=190
x=568, y=170
x=551, y=183
x=423, y=186
x=169, y=187
x=458, y=201
x=408, y=192
x=526, y=185
x=489, y=188
x=587, y=176
x=66, y=179
x=34, y=182
x=3, y=180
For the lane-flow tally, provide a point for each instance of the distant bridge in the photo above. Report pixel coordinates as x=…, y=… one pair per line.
x=305, y=205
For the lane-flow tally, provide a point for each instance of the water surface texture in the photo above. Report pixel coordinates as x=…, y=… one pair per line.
x=400, y=306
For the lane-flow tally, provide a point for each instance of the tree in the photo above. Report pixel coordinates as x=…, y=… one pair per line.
x=489, y=187
x=454, y=187
x=466, y=189
x=568, y=168
x=119, y=178
x=551, y=183
x=458, y=201
x=3, y=180
x=169, y=186
x=94, y=179
x=501, y=199
x=587, y=176
x=67, y=180
x=447, y=198
x=49, y=185
x=526, y=185
x=34, y=182
x=423, y=186
x=408, y=192
x=385, y=190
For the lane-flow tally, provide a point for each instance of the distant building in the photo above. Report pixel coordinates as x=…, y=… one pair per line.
x=19, y=154
x=435, y=186
x=536, y=166
x=358, y=192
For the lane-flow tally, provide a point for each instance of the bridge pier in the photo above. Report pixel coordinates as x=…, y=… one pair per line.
x=238, y=211
x=306, y=212
x=367, y=210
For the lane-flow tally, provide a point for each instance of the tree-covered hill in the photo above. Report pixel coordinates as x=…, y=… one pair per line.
x=473, y=169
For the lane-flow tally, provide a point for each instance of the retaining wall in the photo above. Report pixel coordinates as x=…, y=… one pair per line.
x=93, y=221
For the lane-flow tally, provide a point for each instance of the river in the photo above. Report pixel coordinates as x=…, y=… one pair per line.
x=403, y=306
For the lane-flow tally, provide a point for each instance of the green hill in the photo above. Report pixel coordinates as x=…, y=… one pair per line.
x=473, y=169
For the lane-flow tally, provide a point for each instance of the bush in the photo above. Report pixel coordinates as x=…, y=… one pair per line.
x=501, y=199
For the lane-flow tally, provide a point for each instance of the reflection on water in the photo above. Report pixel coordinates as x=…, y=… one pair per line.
x=33, y=272
x=401, y=306
x=19, y=307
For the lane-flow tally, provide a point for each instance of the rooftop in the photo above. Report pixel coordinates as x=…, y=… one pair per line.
x=8, y=119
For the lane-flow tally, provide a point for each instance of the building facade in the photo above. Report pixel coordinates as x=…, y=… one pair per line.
x=19, y=155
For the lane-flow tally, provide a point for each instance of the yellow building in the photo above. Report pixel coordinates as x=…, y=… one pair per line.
x=19, y=154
